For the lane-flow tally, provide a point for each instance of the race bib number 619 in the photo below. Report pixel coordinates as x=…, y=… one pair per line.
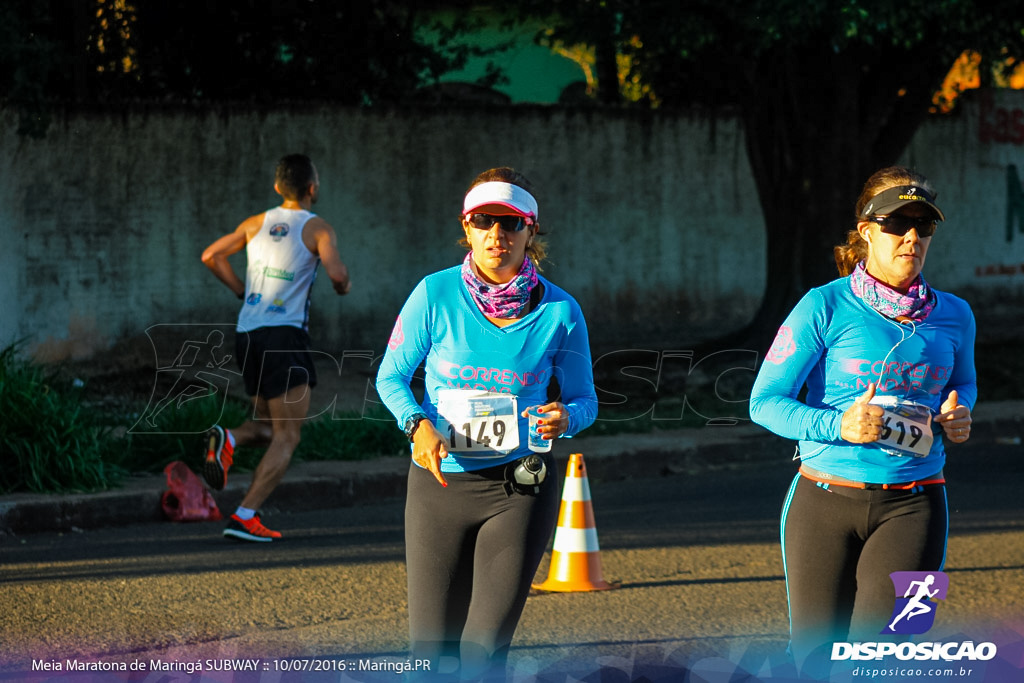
x=906, y=427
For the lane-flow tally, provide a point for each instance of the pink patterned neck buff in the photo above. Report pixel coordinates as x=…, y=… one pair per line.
x=508, y=300
x=916, y=304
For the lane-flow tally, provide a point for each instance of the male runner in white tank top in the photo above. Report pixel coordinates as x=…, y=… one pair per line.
x=283, y=248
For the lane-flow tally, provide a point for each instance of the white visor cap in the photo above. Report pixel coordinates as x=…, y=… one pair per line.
x=504, y=194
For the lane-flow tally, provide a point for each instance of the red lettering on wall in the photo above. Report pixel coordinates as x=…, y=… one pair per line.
x=999, y=269
x=996, y=124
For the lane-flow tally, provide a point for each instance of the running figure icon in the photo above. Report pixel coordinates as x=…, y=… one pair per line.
x=918, y=604
x=914, y=612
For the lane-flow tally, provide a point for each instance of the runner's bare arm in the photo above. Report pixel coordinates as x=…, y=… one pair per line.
x=325, y=245
x=216, y=255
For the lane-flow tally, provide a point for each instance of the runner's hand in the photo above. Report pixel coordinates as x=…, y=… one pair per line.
x=429, y=447
x=955, y=418
x=862, y=422
x=554, y=420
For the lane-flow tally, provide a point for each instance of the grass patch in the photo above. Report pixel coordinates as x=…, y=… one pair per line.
x=350, y=436
x=51, y=443
x=177, y=435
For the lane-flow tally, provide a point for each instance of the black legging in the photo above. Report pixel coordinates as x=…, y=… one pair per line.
x=839, y=545
x=471, y=554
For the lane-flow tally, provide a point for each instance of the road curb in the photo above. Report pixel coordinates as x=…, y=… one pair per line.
x=339, y=484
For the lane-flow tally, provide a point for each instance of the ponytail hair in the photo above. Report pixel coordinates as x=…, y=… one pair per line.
x=849, y=254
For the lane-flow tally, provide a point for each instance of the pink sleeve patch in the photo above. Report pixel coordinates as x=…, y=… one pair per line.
x=397, y=336
x=782, y=348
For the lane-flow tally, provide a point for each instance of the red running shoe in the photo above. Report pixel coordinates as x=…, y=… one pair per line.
x=219, y=456
x=249, y=530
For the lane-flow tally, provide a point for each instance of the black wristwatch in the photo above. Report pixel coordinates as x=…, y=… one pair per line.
x=412, y=423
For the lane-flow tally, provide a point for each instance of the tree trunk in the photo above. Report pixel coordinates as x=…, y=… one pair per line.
x=607, y=71
x=816, y=127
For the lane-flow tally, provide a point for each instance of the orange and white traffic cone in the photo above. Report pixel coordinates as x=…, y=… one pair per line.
x=575, y=558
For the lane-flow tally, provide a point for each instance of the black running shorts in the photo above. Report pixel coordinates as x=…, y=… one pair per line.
x=274, y=360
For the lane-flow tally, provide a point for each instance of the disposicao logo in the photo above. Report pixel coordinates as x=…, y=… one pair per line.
x=914, y=614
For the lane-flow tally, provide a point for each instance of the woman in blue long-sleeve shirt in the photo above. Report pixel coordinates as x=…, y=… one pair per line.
x=492, y=334
x=888, y=366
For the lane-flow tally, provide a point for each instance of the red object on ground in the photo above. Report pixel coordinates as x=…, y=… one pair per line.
x=186, y=499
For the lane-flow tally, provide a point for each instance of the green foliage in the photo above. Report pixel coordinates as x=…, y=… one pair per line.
x=827, y=91
x=350, y=436
x=50, y=442
x=177, y=434
x=53, y=443
x=708, y=52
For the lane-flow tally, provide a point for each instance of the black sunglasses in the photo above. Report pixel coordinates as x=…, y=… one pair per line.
x=900, y=225
x=485, y=221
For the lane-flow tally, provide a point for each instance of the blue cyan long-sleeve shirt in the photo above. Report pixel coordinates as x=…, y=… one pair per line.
x=441, y=325
x=837, y=345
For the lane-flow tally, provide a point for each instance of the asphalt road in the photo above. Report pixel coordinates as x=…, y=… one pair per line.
x=696, y=553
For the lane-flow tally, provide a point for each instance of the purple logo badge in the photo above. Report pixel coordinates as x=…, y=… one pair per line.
x=914, y=612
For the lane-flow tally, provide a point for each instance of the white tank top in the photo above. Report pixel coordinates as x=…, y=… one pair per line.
x=280, y=273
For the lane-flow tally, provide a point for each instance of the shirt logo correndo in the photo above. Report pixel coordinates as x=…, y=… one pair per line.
x=783, y=347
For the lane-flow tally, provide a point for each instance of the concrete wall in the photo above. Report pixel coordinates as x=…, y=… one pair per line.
x=654, y=221
x=977, y=163
x=107, y=216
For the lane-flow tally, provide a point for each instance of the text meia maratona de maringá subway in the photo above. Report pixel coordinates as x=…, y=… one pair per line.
x=159, y=665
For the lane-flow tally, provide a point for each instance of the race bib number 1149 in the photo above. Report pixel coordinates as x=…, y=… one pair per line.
x=479, y=423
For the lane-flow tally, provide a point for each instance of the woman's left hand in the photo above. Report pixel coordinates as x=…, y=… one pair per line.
x=955, y=419
x=554, y=420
